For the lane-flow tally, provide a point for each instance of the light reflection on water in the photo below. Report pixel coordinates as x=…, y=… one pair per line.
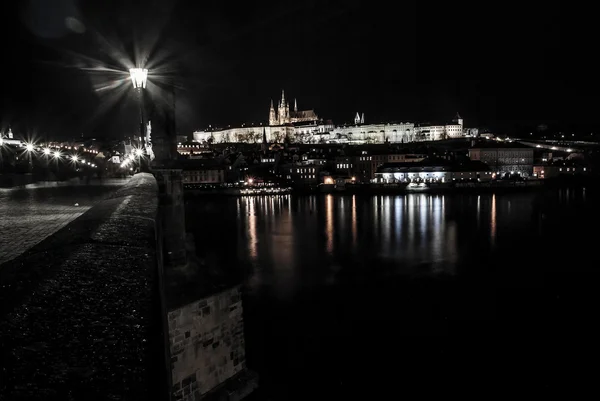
x=294, y=242
x=289, y=243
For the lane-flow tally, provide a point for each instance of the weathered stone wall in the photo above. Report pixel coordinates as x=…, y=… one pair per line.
x=206, y=343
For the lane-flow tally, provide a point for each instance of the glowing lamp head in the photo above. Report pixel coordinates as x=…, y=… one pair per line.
x=139, y=77
x=139, y=152
x=29, y=147
x=46, y=151
x=250, y=181
x=56, y=154
x=74, y=158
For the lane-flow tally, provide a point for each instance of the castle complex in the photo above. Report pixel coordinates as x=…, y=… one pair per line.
x=306, y=127
x=284, y=116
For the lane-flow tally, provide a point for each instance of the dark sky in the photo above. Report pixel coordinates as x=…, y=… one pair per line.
x=503, y=65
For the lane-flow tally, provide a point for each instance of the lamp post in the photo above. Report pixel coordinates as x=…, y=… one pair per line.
x=29, y=149
x=139, y=77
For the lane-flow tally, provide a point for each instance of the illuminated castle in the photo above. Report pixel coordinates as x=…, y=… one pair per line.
x=283, y=115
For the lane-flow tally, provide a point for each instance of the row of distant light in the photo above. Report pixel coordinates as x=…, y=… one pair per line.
x=57, y=155
x=131, y=157
x=70, y=148
x=554, y=148
x=537, y=146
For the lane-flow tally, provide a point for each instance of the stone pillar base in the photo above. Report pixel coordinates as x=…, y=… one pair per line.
x=235, y=388
x=172, y=212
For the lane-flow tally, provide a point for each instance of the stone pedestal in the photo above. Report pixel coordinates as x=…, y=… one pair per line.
x=171, y=202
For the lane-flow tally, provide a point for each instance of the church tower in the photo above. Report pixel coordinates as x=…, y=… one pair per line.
x=458, y=119
x=272, y=116
x=284, y=110
x=362, y=118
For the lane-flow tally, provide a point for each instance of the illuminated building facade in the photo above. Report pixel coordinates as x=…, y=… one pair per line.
x=306, y=127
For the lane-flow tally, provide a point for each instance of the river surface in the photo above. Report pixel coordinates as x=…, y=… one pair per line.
x=392, y=295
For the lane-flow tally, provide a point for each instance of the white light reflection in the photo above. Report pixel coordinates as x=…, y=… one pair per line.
x=424, y=212
x=353, y=221
x=478, y=210
x=341, y=218
x=398, y=214
x=329, y=223
x=410, y=217
x=439, y=232
x=376, y=206
x=252, y=243
x=386, y=225
x=493, y=221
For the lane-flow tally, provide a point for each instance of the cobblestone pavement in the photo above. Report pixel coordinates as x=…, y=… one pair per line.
x=30, y=214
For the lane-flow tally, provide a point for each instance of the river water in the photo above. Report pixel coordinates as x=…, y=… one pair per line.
x=392, y=295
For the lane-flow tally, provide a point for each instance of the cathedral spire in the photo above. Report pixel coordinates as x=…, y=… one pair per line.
x=264, y=145
x=295, y=105
x=362, y=118
x=282, y=97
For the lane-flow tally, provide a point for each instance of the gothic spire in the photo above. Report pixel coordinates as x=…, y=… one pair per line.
x=271, y=103
x=263, y=145
x=295, y=105
x=282, y=97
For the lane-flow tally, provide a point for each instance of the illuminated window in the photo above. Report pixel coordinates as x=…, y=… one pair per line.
x=584, y=169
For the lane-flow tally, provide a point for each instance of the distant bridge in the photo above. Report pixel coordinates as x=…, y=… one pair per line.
x=561, y=145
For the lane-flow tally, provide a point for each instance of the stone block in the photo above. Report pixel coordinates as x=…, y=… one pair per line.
x=188, y=380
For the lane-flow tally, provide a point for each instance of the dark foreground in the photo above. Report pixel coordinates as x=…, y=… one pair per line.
x=78, y=311
x=412, y=296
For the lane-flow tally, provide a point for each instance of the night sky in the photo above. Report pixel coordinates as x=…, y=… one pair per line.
x=502, y=65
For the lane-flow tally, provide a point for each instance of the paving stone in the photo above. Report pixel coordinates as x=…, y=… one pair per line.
x=30, y=214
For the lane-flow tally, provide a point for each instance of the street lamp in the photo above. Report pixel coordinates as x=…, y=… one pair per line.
x=139, y=77
x=29, y=148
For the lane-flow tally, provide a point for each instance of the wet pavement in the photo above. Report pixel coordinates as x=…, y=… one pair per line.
x=79, y=310
x=30, y=214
